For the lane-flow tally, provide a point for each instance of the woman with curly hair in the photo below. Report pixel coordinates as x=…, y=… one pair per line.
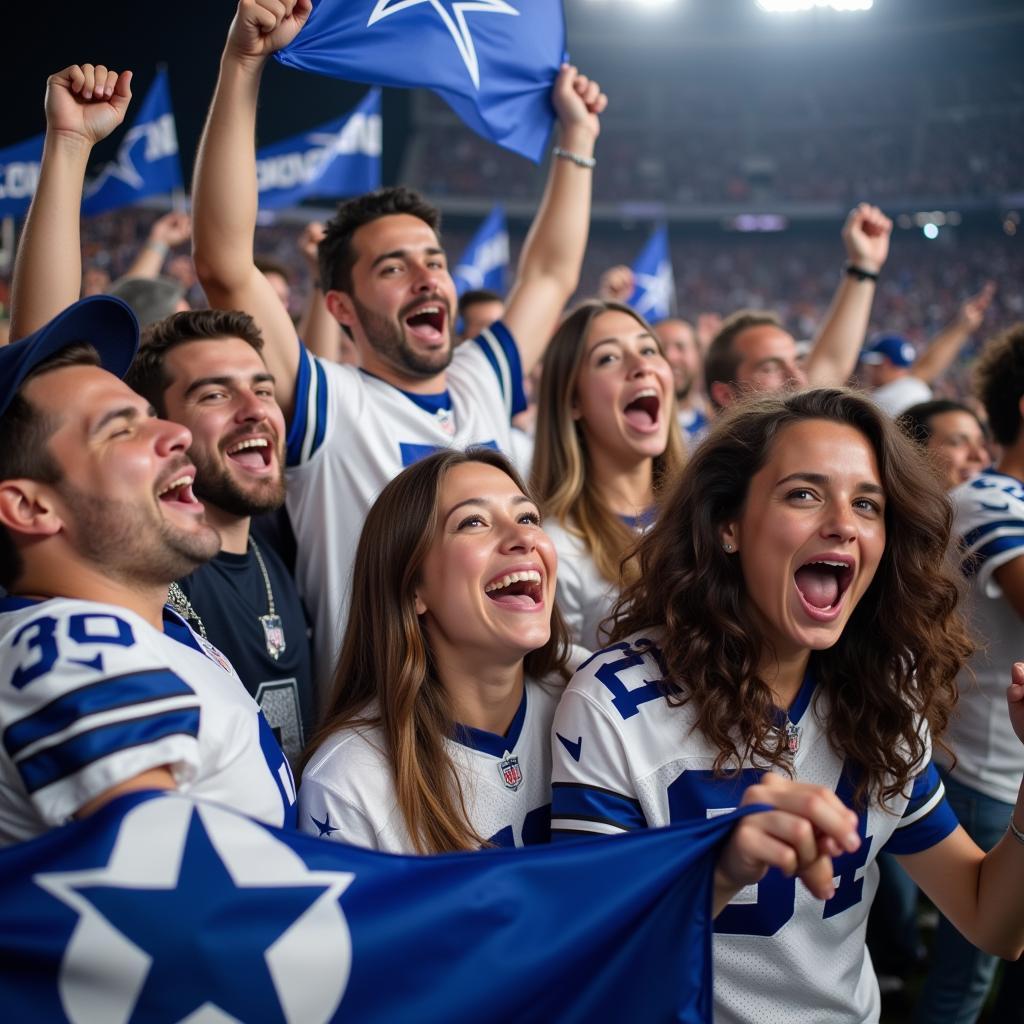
x=607, y=440
x=794, y=614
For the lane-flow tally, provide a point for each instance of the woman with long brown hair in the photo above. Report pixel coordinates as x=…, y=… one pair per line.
x=437, y=734
x=607, y=440
x=795, y=613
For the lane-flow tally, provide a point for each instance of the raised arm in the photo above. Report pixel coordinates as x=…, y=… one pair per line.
x=84, y=104
x=946, y=345
x=981, y=892
x=549, y=265
x=168, y=231
x=835, y=351
x=224, y=191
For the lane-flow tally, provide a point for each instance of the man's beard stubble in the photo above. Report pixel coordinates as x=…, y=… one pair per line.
x=388, y=339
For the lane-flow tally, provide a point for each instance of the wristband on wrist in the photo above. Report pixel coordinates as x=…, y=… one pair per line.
x=157, y=246
x=580, y=161
x=860, y=273
x=1016, y=832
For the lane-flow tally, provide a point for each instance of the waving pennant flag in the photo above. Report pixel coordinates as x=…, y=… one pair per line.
x=158, y=908
x=493, y=61
x=19, y=175
x=147, y=160
x=340, y=158
x=654, y=294
x=484, y=264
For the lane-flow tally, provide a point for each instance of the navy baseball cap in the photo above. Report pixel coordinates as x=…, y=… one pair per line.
x=893, y=347
x=106, y=323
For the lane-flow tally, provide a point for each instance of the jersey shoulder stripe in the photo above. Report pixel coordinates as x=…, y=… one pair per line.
x=308, y=427
x=927, y=818
x=501, y=352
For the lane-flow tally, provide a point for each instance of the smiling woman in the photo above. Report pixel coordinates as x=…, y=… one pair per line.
x=437, y=736
x=794, y=611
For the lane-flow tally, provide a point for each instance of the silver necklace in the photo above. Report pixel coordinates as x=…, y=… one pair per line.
x=273, y=628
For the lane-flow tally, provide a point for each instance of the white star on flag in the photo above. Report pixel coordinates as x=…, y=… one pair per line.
x=453, y=14
x=656, y=291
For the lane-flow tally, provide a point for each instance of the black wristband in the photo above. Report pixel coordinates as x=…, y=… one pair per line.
x=860, y=273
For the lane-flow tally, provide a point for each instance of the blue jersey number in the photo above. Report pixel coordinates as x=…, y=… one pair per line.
x=695, y=793
x=40, y=640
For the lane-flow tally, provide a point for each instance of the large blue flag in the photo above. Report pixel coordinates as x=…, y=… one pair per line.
x=147, y=159
x=493, y=61
x=340, y=158
x=157, y=908
x=19, y=175
x=484, y=263
x=654, y=293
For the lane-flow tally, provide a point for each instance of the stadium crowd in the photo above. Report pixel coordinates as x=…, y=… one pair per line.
x=572, y=575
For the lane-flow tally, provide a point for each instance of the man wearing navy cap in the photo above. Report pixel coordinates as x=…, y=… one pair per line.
x=102, y=689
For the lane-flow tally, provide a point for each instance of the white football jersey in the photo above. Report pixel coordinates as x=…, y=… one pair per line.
x=990, y=523
x=352, y=433
x=348, y=793
x=91, y=695
x=624, y=758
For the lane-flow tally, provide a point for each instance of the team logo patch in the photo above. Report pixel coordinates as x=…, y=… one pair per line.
x=213, y=654
x=511, y=773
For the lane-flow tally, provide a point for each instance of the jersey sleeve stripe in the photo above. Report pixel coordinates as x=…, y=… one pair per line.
x=66, y=759
x=569, y=828
x=994, y=548
x=926, y=789
x=107, y=694
x=577, y=802
x=308, y=427
x=928, y=818
x=996, y=528
x=498, y=345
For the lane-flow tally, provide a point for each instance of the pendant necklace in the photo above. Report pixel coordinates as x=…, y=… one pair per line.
x=273, y=628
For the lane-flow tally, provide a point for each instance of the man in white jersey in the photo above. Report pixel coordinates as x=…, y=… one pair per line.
x=624, y=758
x=387, y=283
x=103, y=690
x=983, y=781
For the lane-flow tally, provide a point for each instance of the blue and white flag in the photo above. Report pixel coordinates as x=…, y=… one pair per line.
x=340, y=158
x=654, y=293
x=147, y=159
x=484, y=264
x=19, y=175
x=493, y=61
x=158, y=908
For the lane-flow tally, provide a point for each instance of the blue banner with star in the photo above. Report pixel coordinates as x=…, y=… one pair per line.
x=158, y=907
x=654, y=290
x=492, y=61
x=484, y=264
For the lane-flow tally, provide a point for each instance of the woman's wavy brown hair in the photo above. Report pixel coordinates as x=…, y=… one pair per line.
x=896, y=662
x=561, y=476
x=386, y=658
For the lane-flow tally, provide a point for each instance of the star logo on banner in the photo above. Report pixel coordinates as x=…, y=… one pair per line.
x=655, y=298
x=123, y=168
x=204, y=915
x=453, y=14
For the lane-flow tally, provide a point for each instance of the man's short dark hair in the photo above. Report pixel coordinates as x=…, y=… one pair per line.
x=475, y=296
x=336, y=255
x=916, y=422
x=148, y=376
x=722, y=360
x=999, y=383
x=24, y=433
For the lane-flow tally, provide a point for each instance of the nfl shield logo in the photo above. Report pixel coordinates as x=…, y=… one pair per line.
x=511, y=773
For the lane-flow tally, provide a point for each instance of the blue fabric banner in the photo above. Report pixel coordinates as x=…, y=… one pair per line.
x=340, y=158
x=484, y=264
x=19, y=175
x=147, y=159
x=654, y=294
x=158, y=907
x=493, y=61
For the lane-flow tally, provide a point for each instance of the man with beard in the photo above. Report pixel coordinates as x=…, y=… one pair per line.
x=679, y=343
x=103, y=690
x=386, y=281
x=204, y=369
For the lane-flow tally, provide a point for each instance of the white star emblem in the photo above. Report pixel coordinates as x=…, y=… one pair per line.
x=655, y=291
x=453, y=14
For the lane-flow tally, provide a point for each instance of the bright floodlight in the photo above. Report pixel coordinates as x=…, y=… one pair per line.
x=930, y=231
x=785, y=6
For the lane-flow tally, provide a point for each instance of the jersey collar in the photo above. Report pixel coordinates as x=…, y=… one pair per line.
x=489, y=742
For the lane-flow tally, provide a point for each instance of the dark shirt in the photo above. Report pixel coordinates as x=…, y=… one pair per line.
x=229, y=596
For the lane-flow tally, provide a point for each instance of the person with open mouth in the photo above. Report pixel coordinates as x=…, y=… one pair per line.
x=793, y=637
x=437, y=733
x=607, y=439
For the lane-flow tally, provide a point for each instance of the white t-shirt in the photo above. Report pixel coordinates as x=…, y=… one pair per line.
x=92, y=696
x=990, y=523
x=352, y=433
x=348, y=791
x=899, y=395
x=624, y=758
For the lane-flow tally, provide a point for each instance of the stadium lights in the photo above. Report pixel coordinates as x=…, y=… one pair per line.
x=786, y=6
